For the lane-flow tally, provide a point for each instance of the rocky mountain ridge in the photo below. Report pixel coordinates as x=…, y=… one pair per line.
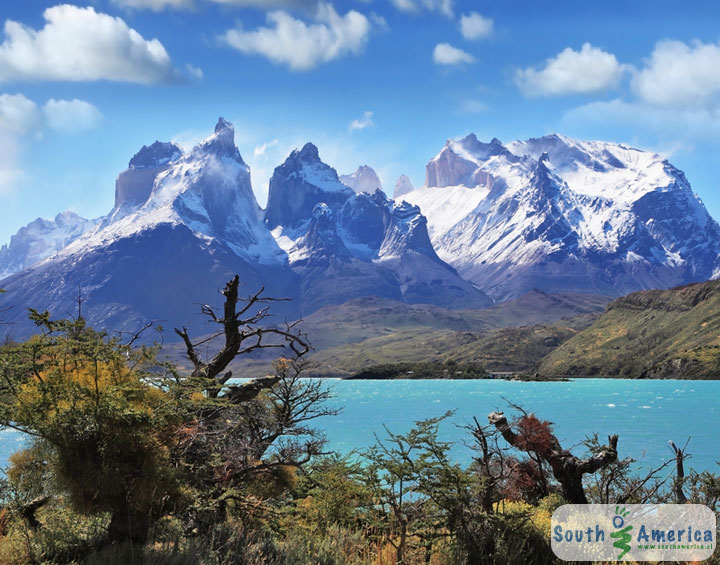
x=564, y=215
x=550, y=213
x=184, y=222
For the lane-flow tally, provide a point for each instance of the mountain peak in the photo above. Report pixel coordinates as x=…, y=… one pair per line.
x=222, y=141
x=402, y=186
x=365, y=179
x=470, y=139
x=322, y=212
x=41, y=239
x=555, y=138
x=309, y=152
x=223, y=124
x=158, y=154
x=134, y=185
x=301, y=182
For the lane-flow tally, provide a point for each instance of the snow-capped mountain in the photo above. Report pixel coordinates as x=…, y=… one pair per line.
x=562, y=215
x=298, y=185
x=343, y=244
x=158, y=258
x=550, y=213
x=207, y=190
x=41, y=239
x=403, y=186
x=365, y=179
x=184, y=223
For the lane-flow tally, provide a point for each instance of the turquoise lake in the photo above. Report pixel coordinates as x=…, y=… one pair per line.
x=644, y=413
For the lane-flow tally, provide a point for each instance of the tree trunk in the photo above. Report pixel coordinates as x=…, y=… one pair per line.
x=566, y=468
x=680, y=497
x=28, y=511
x=570, y=480
x=126, y=525
x=400, y=549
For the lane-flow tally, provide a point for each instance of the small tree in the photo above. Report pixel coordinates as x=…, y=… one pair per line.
x=136, y=439
x=396, y=472
x=87, y=397
x=331, y=493
x=535, y=438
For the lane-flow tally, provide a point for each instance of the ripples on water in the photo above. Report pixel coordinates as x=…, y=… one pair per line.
x=644, y=413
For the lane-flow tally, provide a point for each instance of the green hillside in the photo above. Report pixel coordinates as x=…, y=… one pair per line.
x=506, y=349
x=510, y=336
x=652, y=334
x=365, y=318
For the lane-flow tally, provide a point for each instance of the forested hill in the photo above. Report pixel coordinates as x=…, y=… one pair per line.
x=655, y=334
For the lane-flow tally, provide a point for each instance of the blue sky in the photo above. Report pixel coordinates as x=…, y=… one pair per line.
x=384, y=82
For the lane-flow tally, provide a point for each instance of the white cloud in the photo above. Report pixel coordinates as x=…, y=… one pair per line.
x=446, y=54
x=261, y=150
x=71, y=116
x=473, y=106
x=302, y=46
x=194, y=72
x=80, y=44
x=586, y=71
x=266, y=4
x=18, y=114
x=680, y=74
x=663, y=123
x=411, y=6
x=379, y=22
x=361, y=123
x=154, y=5
x=475, y=26
x=22, y=120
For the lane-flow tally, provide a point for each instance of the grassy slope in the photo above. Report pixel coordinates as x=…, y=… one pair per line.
x=364, y=318
x=513, y=335
x=372, y=330
x=668, y=334
x=507, y=349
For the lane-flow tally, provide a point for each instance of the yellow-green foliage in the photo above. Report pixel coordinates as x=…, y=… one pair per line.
x=65, y=536
x=98, y=423
x=333, y=495
x=669, y=334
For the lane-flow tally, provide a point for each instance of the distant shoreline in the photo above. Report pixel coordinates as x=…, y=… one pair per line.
x=518, y=377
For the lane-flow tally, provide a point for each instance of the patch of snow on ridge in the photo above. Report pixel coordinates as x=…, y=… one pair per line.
x=446, y=206
x=321, y=176
x=598, y=168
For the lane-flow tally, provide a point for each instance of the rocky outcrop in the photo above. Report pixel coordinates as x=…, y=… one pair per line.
x=134, y=185
x=365, y=179
x=403, y=186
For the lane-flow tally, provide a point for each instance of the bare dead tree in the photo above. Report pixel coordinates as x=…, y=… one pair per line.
x=490, y=463
x=255, y=433
x=279, y=433
x=243, y=334
x=29, y=509
x=567, y=469
x=680, y=456
x=134, y=336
